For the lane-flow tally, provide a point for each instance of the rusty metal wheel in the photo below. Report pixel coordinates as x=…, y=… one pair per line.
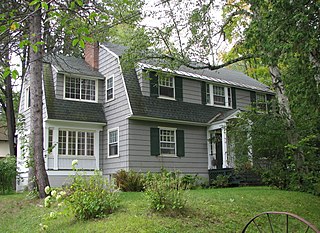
x=278, y=222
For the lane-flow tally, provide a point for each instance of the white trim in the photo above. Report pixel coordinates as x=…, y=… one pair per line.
x=173, y=86
x=82, y=100
x=143, y=118
x=97, y=125
x=175, y=141
x=26, y=98
x=121, y=73
x=118, y=132
x=68, y=173
x=106, y=87
x=226, y=96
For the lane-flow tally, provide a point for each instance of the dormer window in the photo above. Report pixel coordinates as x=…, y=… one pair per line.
x=80, y=89
x=218, y=95
x=166, y=87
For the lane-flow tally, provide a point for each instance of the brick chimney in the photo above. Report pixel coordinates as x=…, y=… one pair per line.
x=91, y=54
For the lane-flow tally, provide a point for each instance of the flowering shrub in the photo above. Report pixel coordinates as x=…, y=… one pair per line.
x=87, y=197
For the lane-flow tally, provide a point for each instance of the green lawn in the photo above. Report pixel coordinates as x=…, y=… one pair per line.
x=209, y=210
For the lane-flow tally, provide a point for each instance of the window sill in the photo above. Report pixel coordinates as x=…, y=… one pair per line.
x=110, y=100
x=168, y=156
x=113, y=156
x=167, y=98
x=80, y=100
x=220, y=106
x=91, y=157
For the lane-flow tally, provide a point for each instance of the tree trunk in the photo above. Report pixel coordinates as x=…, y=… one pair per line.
x=36, y=104
x=11, y=122
x=282, y=99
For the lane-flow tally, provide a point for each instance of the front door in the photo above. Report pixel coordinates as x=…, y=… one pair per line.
x=218, y=145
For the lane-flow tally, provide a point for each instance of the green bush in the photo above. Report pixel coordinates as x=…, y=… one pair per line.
x=91, y=197
x=222, y=181
x=165, y=191
x=190, y=181
x=8, y=174
x=130, y=181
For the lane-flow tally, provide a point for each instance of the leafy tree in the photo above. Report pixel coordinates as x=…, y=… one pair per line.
x=56, y=26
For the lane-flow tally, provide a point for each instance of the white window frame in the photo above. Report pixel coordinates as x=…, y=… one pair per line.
x=80, y=99
x=168, y=86
x=112, y=77
x=264, y=102
x=109, y=131
x=27, y=98
x=227, y=96
x=175, y=141
x=76, y=143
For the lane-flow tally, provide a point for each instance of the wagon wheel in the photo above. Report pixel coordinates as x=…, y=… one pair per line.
x=278, y=222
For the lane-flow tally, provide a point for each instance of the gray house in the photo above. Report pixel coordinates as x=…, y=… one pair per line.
x=109, y=118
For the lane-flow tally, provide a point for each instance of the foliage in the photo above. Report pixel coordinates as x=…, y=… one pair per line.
x=8, y=174
x=191, y=181
x=87, y=197
x=221, y=181
x=129, y=181
x=165, y=191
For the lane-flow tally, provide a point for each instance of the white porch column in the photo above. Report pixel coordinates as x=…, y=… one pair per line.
x=96, y=148
x=224, y=146
x=55, y=139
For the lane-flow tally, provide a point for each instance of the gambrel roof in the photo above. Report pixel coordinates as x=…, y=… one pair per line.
x=223, y=76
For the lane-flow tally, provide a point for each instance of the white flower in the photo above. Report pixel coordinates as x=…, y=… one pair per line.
x=47, y=189
x=74, y=162
x=62, y=193
x=53, y=193
x=59, y=197
x=47, y=202
x=52, y=214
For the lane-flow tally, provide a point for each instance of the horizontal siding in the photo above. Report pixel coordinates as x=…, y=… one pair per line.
x=194, y=162
x=117, y=112
x=243, y=98
x=59, y=180
x=144, y=84
x=59, y=86
x=191, y=91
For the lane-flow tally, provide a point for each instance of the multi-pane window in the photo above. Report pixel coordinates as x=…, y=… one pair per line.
x=218, y=95
x=109, y=89
x=166, y=86
x=79, y=88
x=261, y=102
x=76, y=143
x=27, y=98
x=113, y=142
x=167, y=142
x=50, y=138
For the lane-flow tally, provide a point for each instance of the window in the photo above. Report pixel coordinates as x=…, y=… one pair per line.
x=167, y=142
x=113, y=143
x=261, y=101
x=80, y=89
x=166, y=87
x=50, y=138
x=109, y=89
x=75, y=143
x=218, y=95
x=27, y=98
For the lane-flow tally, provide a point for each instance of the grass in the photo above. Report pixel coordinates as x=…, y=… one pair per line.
x=209, y=210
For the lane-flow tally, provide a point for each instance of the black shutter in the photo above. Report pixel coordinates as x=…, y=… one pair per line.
x=253, y=99
x=178, y=88
x=204, y=93
x=234, y=97
x=154, y=142
x=180, y=143
x=153, y=84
